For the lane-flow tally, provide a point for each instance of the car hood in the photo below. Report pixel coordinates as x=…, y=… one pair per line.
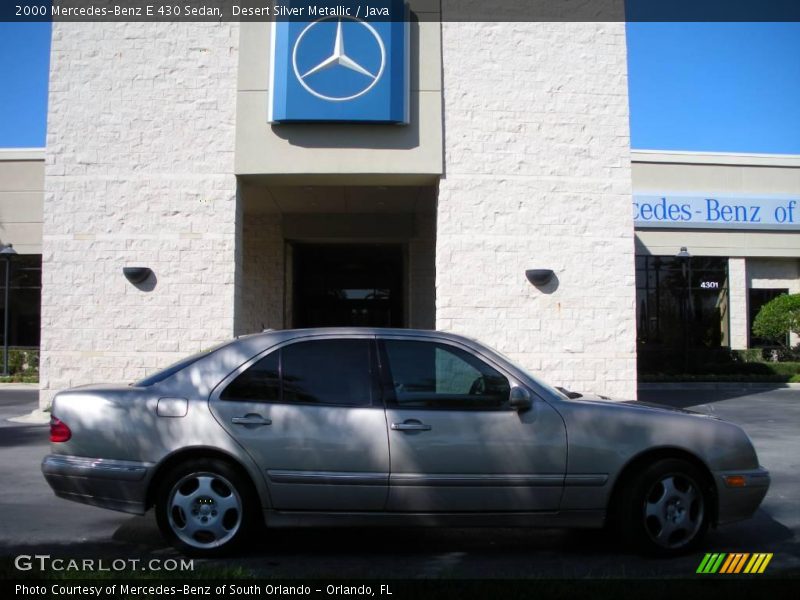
x=661, y=407
x=640, y=405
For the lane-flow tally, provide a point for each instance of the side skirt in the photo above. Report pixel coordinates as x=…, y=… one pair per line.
x=592, y=519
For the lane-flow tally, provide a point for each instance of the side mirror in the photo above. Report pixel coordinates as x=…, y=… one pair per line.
x=520, y=399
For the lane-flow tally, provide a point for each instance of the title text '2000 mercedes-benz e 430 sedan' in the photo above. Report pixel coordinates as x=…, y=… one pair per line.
x=390, y=427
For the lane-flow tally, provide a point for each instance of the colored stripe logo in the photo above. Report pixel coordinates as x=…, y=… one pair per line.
x=734, y=563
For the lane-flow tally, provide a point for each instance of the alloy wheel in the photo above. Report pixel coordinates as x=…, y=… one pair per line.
x=204, y=510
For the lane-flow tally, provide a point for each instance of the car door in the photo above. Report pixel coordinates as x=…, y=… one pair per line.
x=455, y=443
x=310, y=415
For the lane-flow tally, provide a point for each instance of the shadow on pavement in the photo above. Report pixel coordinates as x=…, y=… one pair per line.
x=427, y=552
x=678, y=398
x=23, y=435
x=27, y=398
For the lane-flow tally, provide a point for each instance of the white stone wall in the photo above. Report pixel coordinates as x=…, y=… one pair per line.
x=537, y=175
x=421, y=273
x=737, y=293
x=139, y=172
x=262, y=295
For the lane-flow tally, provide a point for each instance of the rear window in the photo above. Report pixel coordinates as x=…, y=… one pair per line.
x=178, y=366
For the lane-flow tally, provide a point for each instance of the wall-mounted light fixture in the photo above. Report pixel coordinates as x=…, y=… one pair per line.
x=136, y=274
x=683, y=253
x=539, y=277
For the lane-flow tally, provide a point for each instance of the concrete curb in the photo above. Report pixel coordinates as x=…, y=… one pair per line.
x=19, y=386
x=35, y=417
x=717, y=385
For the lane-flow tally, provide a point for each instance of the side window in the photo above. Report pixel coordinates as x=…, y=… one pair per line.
x=432, y=375
x=337, y=372
x=327, y=372
x=259, y=383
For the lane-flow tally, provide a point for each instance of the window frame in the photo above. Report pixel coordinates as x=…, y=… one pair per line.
x=387, y=381
x=374, y=388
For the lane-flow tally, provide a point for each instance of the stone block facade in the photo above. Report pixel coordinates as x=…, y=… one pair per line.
x=537, y=175
x=263, y=298
x=139, y=172
x=737, y=290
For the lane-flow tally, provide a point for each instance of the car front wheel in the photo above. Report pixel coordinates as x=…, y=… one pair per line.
x=666, y=509
x=205, y=508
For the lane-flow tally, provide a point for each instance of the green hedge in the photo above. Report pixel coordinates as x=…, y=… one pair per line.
x=771, y=372
x=710, y=378
x=23, y=365
x=749, y=355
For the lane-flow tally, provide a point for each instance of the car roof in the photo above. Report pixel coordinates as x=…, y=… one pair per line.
x=286, y=334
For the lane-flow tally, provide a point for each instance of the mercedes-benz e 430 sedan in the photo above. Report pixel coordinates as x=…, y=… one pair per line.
x=390, y=427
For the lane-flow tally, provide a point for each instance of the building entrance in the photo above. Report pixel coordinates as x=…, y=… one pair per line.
x=348, y=285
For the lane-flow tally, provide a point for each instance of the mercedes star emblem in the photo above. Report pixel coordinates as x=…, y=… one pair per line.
x=340, y=58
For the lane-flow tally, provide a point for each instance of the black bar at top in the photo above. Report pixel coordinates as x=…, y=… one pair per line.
x=423, y=10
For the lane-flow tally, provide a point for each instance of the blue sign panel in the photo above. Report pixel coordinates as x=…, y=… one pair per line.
x=716, y=212
x=341, y=68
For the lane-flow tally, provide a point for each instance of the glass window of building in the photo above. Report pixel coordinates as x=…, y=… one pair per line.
x=24, y=299
x=681, y=305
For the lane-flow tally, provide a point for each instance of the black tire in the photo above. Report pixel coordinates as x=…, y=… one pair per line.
x=665, y=509
x=205, y=507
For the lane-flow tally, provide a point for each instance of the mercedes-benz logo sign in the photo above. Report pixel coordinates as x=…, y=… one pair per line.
x=340, y=58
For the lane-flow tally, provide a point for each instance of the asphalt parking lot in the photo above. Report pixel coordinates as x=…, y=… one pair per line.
x=33, y=520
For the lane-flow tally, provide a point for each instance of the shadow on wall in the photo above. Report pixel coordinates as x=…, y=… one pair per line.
x=353, y=135
x=544, y=280
x=142, y=278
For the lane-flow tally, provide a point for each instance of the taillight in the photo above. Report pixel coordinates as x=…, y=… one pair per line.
x=59, y=432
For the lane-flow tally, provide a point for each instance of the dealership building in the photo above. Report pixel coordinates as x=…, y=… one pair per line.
x=206, y=180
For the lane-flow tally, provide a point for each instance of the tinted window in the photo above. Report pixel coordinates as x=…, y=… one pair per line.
x=426, y=374
x=327, y=372
x=258, y=383
x=315, y=372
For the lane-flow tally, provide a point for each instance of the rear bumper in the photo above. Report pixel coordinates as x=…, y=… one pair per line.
x=114, y=484
x=738, y=503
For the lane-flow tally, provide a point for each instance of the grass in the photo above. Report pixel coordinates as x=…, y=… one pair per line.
x=19, y=378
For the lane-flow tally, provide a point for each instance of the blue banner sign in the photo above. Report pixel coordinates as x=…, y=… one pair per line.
x=719, y=212
x=341, y=67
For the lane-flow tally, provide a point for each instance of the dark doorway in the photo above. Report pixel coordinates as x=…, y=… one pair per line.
x=348, y=285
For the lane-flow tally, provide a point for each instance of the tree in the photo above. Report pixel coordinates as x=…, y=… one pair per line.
x=778, y=317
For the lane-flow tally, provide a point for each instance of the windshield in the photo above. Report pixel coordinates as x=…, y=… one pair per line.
x=159, y=376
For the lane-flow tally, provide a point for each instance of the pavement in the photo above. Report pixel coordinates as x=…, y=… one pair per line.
x=33, y=520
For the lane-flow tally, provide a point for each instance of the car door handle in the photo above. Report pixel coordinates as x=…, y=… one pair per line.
x=256, y=420
x=411, y=426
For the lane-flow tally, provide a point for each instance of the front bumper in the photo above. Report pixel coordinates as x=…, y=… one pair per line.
x=114, y=484
x=740, y=502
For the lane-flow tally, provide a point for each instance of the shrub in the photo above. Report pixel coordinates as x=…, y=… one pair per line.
x=748, y=356
x=778, y=318
x=22, y=361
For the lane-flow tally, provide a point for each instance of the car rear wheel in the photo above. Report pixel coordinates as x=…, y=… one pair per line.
x=205, y=508
x=665, y=509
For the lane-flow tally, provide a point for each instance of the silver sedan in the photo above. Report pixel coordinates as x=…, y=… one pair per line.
x=355, y=427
